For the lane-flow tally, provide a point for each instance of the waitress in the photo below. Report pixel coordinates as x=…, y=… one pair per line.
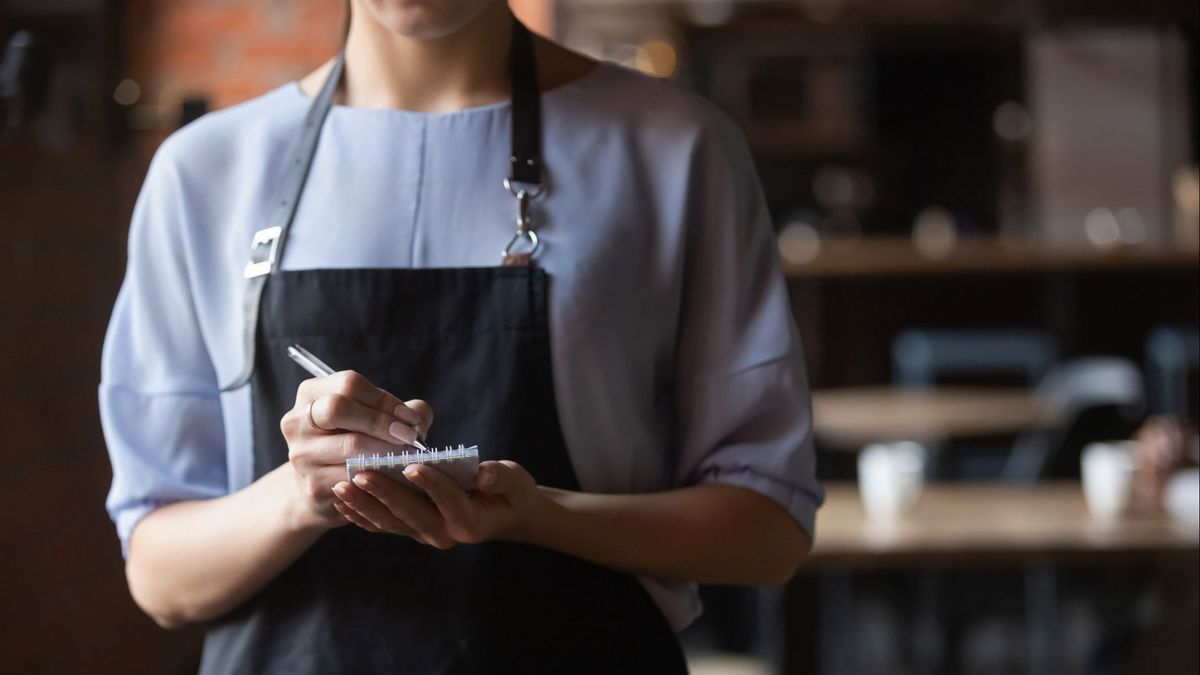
x=569, y=262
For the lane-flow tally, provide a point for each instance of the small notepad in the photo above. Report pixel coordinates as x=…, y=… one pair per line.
x=459, y=463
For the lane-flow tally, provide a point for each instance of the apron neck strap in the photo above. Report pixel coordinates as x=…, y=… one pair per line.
x=296, y=171
x=525, y=160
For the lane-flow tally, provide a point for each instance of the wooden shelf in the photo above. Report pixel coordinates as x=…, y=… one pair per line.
x=876, y=257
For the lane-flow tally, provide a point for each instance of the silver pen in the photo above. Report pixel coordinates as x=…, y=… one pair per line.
x=317, y=368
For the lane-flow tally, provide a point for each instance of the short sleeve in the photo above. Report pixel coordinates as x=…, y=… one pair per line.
x=743, y=405
x=159, y=398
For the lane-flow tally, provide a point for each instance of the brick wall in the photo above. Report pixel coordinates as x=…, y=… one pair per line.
x=226, y=51
x=67, y=185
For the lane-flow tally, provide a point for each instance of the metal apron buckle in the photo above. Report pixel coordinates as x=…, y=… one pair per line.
x=512, y=255
x=260, y=264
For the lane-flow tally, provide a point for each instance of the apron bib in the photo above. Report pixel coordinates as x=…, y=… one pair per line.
x=358, y=602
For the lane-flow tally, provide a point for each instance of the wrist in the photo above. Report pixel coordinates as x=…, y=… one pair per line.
x=543, y=520
x=299, y=518
x=296, y=514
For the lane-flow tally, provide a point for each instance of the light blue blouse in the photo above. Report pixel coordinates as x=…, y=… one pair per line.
x=675, y=357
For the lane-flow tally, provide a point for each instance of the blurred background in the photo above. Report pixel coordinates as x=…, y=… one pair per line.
x=987, y=214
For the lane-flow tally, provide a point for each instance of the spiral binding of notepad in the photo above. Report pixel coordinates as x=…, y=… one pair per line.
x=459, y=463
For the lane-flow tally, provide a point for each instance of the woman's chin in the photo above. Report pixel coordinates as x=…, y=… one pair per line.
x=425, y=18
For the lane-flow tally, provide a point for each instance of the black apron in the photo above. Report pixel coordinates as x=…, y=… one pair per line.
x=473, y=342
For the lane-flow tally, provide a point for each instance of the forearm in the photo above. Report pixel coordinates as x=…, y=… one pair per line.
x=195, y=560
x=705, y=533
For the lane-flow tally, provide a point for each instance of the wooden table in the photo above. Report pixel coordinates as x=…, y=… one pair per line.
x=971, y=525
x=853, y=417
x=990, y=524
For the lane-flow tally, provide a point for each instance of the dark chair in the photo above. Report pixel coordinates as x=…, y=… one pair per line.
x=1172, y=355
x=921, y=357
x=1093, y=424
x=1098, y=397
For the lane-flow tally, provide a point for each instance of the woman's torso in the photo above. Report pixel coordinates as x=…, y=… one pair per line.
x=391, y=188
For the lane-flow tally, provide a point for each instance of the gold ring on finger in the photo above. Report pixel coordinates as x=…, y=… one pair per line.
x=312, y=423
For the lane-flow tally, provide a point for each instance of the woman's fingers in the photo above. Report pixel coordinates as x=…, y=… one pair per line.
x=333, y=450
x=450, y=499
x=391, y=501
x=354, y=386
x=357, y=387
x=357, y=518
x=339, y=411
x=349, y=402
x=353, y=517
x=369, y=510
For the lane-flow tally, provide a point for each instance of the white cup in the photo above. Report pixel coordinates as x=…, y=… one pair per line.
x=1107, y=470
x=890, y=478
x=1181, y=498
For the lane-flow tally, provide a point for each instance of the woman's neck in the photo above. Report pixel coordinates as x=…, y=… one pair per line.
x=463, y=69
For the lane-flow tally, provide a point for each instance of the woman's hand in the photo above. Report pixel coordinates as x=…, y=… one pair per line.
x=504, y=504
x=337, y=417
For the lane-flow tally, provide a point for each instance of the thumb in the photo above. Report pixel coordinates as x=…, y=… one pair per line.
x=501, y=478
x=425, y=412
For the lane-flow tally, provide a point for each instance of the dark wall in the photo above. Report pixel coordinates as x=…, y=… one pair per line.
x=66, y=188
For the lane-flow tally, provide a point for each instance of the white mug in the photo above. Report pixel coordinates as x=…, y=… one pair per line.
x=1107, y=471
x=1181, y=499
x=890, y=478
